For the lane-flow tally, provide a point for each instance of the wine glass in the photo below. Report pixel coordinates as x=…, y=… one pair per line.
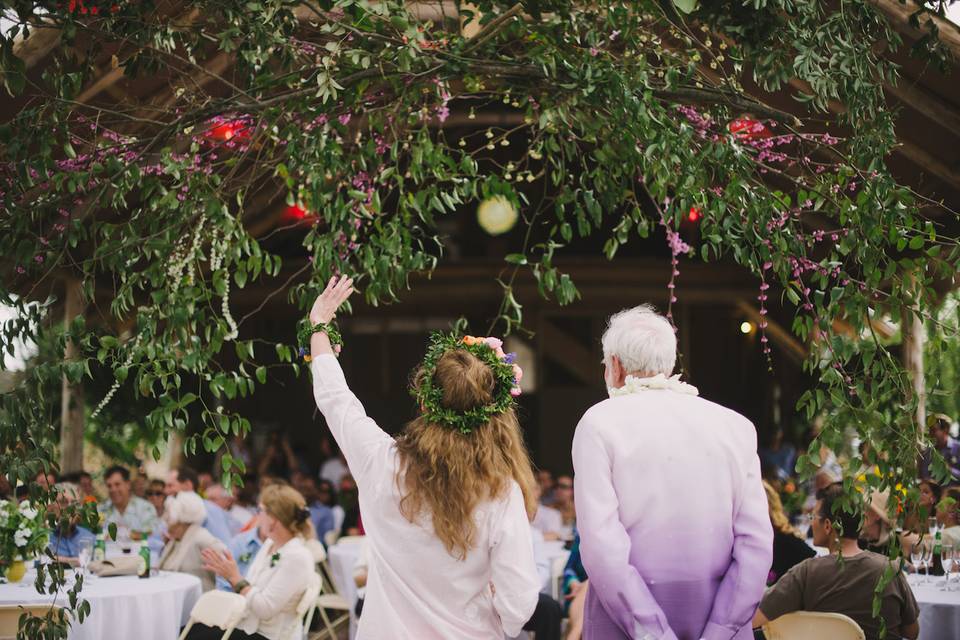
x=916, y=558
x=947, y=561
x=84, y=555
x=933, y=526
x=926, y=561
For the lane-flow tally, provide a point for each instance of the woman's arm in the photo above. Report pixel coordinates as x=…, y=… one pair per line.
x=359, y=437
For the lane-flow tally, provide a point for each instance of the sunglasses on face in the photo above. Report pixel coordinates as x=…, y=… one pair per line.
x=564, y=486
x=154, y=494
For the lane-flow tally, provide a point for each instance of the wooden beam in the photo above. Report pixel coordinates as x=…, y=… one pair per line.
x=783, y=338
x=898, y=12
x=928, y=106
x=72, y=401
x=913, y=153
x=569, y=353
x=930, y=163
x=106, y=80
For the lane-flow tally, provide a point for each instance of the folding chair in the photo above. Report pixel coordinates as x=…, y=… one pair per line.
x=808, y=625
x=217, y=609
x=329, y=598
x=306, y=607
x=10, y=617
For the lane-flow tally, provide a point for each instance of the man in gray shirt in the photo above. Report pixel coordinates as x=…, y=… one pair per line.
x=827, y=584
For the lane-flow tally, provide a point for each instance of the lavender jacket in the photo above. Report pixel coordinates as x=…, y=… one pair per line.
x=675, y=533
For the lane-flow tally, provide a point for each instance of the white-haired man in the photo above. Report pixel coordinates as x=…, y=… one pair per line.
x=674, y=531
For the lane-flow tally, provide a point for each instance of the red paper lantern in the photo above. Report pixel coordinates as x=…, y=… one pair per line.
x=228, y=130
x=748, y=128
x=695, y=215
x=294, y=214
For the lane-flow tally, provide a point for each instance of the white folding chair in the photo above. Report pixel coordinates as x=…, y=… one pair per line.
x=809, y=625
x=316, y=550
x=217, y=609
x=306, y=607
x=557, y=565
x=10, y=617
x=330, y=537
x=329, y=598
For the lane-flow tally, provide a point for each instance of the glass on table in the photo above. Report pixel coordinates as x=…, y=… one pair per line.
x=933, y=526
x=84, y=555
x=926, y=561
x=947, y=558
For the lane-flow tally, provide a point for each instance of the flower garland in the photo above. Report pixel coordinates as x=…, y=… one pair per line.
x=489, y=350
x=633, y=384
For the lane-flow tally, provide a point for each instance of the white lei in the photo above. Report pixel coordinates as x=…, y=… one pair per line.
x=633, y=384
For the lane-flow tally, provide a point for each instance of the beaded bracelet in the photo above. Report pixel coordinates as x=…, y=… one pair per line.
x=307, y=330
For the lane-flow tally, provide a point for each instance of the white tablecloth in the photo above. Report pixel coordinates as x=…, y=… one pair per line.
x=342, y=557
x=939, y=610
x=122, y=607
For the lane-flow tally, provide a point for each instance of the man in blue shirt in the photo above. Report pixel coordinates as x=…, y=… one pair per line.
x=68, y=538
x=320, y=514
x=218, y=521
x=243, y=547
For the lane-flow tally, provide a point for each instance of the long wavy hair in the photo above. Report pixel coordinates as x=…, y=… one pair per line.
x=778, y=518
x=444, y=473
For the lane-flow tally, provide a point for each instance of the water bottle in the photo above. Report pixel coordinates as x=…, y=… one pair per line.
x=143, y=567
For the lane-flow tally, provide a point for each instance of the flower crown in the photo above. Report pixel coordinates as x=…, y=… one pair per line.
x=506, y=372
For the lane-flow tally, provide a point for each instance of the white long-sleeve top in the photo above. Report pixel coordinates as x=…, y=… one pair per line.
x=416, y=590
x=276, y=590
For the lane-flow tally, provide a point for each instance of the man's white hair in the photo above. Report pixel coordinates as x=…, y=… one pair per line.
x=642, y=339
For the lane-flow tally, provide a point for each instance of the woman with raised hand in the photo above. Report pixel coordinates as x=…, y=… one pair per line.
x=446, y=506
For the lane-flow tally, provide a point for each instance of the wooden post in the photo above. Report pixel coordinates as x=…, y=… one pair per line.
x=72, y=403
x=914, y=338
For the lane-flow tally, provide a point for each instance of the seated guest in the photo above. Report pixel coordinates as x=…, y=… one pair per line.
x=223, y=498
x=575, y=590
x=778, y=455
x=130, y=513
x=280, y=573
x=944, y=443
x=948, y=515
x=217, y=522
x=87, y=491
x=321, y=516
x=243, y=548
x=186, y=538
x=877, y=526
x=350, y=502
x=826, y=585
x=548, y=521
x=563, y=502
x=788, y=548
x=916, y=521
x=67, y=537
x=547, y=484
x=156, y=496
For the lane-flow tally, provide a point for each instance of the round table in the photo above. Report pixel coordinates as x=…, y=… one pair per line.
x=121, y=606
x=939, y=610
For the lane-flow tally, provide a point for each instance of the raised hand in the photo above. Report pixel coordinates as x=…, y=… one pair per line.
x=326, y=305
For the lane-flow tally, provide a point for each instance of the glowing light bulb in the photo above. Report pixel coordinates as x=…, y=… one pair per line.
x=746, y=327
x=496, y=215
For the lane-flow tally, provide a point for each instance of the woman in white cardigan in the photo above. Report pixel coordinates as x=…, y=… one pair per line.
x=279, y=574
x=445, y=506
x=184, y=514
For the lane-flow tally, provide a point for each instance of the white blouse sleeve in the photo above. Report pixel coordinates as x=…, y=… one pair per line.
x=284, y=589
x=359, y=437
x=513, y=569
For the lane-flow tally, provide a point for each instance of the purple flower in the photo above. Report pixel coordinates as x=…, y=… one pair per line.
x=510, y=358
